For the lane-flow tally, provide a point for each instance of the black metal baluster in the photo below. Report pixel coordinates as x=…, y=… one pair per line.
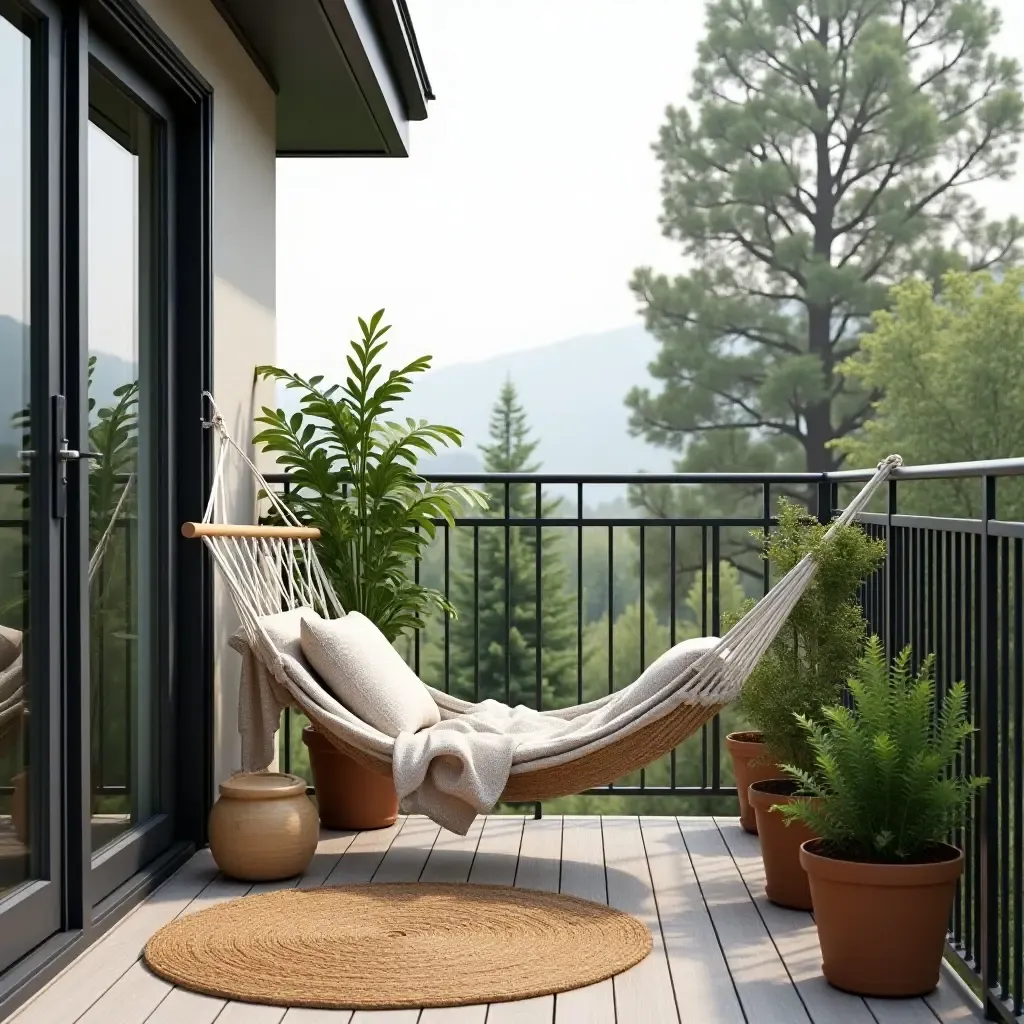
x=716, y=630
x=538, y=601
x=508, y=598
x=1018, y=775
x=1004, y=819
x=987, y=677
x=704, y=632
x=476, y=614
x=611, y=609
x=447, y=617
x=672, y=625
x=579, y=594
x=643, y=624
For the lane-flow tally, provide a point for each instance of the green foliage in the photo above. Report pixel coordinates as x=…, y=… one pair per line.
x=825, y=155
x=818, y=647
x=354, y=476
x=949, y=370
x=883, y=773
x=483, y=640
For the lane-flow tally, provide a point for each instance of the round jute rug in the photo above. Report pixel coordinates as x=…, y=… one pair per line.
x=392, y=946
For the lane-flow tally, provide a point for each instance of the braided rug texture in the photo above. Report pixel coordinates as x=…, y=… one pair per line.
x=393, y=946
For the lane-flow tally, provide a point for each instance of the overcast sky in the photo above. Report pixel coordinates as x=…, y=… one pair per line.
x=530, y=195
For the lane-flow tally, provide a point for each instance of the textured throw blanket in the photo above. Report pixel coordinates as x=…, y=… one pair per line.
x=458, y=768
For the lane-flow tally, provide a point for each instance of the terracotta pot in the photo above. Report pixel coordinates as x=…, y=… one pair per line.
x=882, y=927
x=348, y=796
x=750, y=764
x=785, y=880
x=263, y=827
x=19, y=806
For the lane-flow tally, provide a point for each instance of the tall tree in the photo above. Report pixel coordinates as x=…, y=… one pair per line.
x=495, y=638
x=827, y=157
x=952, y=369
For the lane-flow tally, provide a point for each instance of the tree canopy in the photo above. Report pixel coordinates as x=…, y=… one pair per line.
x=949, y=370
x=824, y=158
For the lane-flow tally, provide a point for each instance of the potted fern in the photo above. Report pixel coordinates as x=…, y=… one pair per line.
x=353, y=476
x=886, y=797
x=804, y=668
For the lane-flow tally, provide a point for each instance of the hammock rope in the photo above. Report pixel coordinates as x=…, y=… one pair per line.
x=268, y=570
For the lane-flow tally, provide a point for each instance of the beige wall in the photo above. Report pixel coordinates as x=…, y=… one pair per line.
x=244, y=333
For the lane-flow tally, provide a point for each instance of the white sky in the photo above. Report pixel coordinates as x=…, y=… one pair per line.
x=530, y=195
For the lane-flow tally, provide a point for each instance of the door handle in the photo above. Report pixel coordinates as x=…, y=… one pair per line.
x=70, y=455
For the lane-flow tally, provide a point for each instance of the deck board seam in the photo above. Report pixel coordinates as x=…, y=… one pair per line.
x=711, y=920
x=657, y=911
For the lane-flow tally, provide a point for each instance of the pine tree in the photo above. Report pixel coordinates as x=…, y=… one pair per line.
x=495, y=640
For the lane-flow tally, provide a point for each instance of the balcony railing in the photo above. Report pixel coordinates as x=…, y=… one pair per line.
x=952, y=584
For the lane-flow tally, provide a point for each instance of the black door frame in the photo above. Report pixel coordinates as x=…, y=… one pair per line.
x=127, y=30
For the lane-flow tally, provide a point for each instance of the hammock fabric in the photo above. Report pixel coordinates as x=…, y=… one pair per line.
x=272, y=569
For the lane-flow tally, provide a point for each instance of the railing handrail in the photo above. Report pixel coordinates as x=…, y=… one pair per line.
x=936, y=471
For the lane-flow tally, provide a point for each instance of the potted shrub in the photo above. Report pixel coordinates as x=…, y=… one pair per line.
x=353, y=475
x=804, y=669
x=886, y=796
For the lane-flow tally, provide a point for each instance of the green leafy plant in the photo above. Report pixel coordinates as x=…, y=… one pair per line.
x=884, y=770
x=817, y=649
x=353, y=475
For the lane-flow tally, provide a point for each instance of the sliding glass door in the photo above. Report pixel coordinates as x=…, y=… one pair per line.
x=126, y=383
x=105, y=320
x=30, y=788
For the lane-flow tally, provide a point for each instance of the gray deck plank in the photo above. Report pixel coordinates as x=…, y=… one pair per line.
x=85, y=981
x=583, y=876
x=451, y=857
x=644, y=993
x=539, y=867
x=302, y=1015
x=951, y=1002
x=250, y=1013
x=794, y=934
x=409, y=852
x=403, y=862
x=451, y=860
x=497, y=853
x=363, y=856
x=764, y=986
x=700, y=974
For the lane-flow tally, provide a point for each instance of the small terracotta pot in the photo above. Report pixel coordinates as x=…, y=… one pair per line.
x=882, y=927
x=785, y=881
x=348, y=795
x=750, y=763
x=19, y=806
x=263, y=827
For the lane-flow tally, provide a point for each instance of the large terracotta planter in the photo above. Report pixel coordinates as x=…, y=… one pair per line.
x=263, y=827
x=750, y=763
x=785, y=881
x=882, y=927
x=348, y=796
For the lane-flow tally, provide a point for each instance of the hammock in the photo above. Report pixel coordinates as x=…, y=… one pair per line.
x=270, y=569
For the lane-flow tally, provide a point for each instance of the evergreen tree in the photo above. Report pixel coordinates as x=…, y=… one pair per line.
x=827, y=154
x=826, y=158
x=496, y=632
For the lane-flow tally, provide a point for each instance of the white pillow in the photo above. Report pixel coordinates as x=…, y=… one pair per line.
x=361, y=668
x=283, y=630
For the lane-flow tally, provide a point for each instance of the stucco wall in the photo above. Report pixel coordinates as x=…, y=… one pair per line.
x=244, y=271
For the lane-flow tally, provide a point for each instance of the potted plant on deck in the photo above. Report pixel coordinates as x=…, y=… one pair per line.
x=886, y=797
x=353, y=475
x=804, y=668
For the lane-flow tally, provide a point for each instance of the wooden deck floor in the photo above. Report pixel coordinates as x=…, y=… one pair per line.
x=722, y=954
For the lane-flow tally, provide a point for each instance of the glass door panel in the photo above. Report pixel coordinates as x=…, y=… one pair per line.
x=29, y=575
x=126, y=437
